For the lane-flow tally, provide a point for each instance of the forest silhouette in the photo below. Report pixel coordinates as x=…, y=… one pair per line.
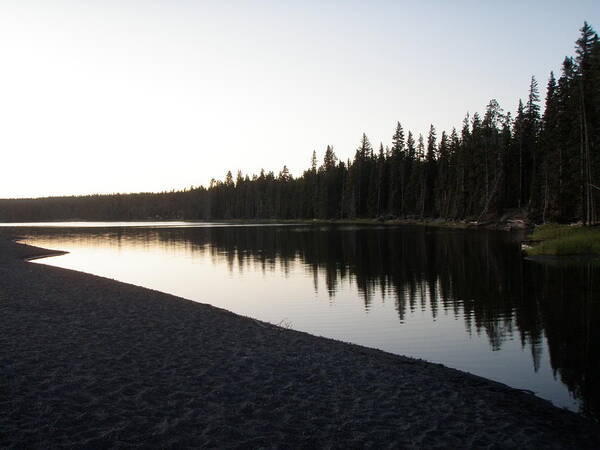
x=545, y=164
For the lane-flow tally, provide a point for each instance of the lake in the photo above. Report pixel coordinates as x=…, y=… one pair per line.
x=463, y=298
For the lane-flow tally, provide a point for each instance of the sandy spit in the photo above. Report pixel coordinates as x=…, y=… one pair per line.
x=88, y=362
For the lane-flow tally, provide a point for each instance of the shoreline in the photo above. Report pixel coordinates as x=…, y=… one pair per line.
x=90, y=361
x=497, y=225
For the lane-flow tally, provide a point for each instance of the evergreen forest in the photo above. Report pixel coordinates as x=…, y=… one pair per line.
x=542, y=159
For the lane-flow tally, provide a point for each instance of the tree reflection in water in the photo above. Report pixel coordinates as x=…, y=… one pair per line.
x=480, y=276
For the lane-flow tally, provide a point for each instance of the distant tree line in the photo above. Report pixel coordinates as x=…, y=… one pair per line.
x=545, y=163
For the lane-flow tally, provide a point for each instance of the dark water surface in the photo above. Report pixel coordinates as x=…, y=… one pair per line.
x=466, y=299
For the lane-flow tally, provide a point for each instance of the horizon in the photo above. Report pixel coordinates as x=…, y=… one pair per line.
x=130, y=99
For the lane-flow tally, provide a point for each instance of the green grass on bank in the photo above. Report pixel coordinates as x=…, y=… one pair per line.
x=565, y=240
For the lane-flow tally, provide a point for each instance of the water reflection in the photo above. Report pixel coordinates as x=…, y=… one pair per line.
x=567, y=300
x=430, y=279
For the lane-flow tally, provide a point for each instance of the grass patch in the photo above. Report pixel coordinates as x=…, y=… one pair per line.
x=553, y=231
x=565, y=240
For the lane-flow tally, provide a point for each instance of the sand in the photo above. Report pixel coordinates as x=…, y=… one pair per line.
x=88, y=362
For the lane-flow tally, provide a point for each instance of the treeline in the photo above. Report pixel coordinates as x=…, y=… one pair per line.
x=546, y=163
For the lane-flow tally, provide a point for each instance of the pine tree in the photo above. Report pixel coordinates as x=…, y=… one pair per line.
x=409, y=187
x=454, y=177
x=519, y=143
x=531, y=134
x=492, y=155
x=397, y=172
x=585, y=46
x=550, y=155
x=430, y=174
x=362, y=163
x=569, y=137
x=420, y=176
x=443, y=188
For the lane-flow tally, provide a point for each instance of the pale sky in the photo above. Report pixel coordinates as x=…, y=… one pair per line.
x=129, y=96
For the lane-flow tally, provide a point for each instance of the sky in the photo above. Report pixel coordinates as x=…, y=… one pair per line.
x=137, y=96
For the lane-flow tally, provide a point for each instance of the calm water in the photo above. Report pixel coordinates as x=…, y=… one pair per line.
x=464, y=299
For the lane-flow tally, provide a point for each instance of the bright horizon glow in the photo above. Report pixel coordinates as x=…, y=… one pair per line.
x=126, y=96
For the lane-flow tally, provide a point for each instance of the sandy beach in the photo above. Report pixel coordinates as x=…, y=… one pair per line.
x=88, y=362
